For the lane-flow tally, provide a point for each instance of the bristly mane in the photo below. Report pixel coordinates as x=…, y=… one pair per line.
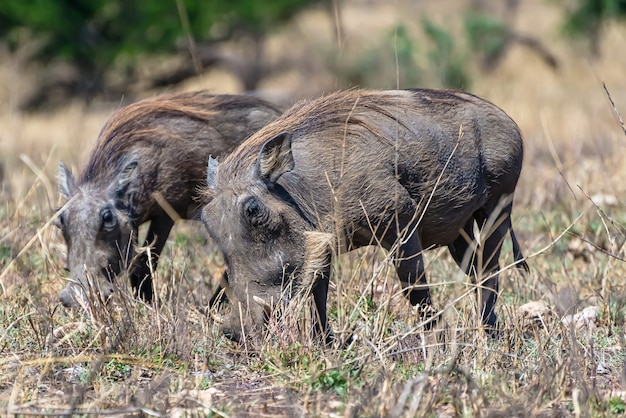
x=136, y=123
x=336, y=111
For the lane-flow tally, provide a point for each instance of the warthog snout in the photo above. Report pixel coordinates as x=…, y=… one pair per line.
x=231, y=324
x=72, y=296
x=75, y=294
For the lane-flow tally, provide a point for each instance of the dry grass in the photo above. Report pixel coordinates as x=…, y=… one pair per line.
x=169, y=359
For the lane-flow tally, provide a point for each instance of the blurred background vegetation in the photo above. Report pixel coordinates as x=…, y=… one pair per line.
x=543, y=61
x=98, y=37
x=102, y=47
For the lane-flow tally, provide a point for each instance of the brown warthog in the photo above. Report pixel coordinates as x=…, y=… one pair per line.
x=407, y=170
x=148, y=164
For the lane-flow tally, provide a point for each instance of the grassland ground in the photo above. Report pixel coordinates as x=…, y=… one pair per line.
x=169, y=358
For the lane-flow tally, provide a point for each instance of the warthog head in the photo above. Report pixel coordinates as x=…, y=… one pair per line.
x=263, y=238
x=97, y=228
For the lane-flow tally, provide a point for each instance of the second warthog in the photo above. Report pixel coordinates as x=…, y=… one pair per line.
x=148, y=165
x=408, y=170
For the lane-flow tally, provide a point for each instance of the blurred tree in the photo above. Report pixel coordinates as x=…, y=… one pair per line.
x=586, y=18
x=491, y=38
x=97, y=36
x=449, y=64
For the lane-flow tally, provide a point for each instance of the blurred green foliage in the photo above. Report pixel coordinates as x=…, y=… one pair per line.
x=405, y=52
x=391, y=63
x=587, y=15
x=103, y=29
x=398, y=61
x=441, y=55
x=94, y=35
x=486, y=35
x=449, y=64
x=587, y=18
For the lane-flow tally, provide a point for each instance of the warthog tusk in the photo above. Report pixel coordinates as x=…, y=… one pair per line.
x=263, y=304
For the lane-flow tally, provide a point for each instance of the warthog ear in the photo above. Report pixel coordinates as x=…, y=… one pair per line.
x=275, y=158
x=211, y=172
x=128, y=184
x=66, y=182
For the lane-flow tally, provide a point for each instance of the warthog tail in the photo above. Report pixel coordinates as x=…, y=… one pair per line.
x=517, y=253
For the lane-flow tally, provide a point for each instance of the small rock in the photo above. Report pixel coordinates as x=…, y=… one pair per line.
x=535, y=309
x=533, y=315
x=583, y=320
x=601, y=199
x=579, y=249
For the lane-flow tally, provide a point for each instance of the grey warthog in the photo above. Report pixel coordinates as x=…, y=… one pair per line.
x=408, y=170
x=148, y=164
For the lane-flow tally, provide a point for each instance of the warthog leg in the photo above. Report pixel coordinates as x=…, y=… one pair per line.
x=481, y=260
x=400, y=237
x=140, y=276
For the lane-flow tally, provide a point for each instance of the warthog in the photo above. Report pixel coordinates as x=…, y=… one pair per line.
x=407, y=170
x=148, y=164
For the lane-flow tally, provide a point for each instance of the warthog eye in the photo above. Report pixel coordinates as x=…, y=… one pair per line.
x=60, y=220
x=108, y=219
x=254, y=211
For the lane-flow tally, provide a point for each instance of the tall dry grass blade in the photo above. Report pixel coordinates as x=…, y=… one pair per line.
x=617, y=114
x=26, y=247
x=40, y=176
